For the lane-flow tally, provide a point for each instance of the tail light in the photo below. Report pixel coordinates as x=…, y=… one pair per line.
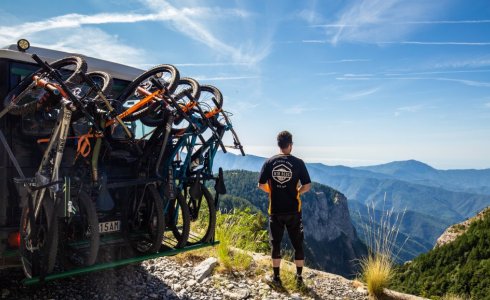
x=14, y=239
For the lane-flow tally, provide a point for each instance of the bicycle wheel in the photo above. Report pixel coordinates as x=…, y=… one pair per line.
x=187, y=91
x=145, y=220
x=203, y=216
x=26, y=97
x=39, y=259
x=166, y=76
x=102, y=79
x=81, y=238
x=177, y=219
x=211, y=97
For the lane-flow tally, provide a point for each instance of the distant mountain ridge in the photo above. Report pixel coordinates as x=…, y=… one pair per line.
x=432, y=199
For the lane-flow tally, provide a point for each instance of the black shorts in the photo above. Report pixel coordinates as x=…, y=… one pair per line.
x=294, y=225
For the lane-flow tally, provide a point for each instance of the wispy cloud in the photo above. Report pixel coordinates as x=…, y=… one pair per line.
x=487, y=105
x=409, y=109
x=360, y=94
x=467, y=82
x=296, y=109
x=183, y=20
x=365, y=21
x=474, y=62
x=347, y=60
x=198, y=31
x=209, y=64
x=221, y=78
x=438, y=72
x=446, y=22
x=438, y=43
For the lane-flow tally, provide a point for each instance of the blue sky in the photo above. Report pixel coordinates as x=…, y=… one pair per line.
x=356, y=82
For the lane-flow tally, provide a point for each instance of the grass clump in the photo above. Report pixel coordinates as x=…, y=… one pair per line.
x=451, y=296
x=380, y=233
x=240, y=229
x=377, y=272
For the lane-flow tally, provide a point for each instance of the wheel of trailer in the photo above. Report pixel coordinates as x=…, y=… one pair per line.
x=145, y=220
x=80, y=233
x=177, y=219
x=203, y=214
x=39, y=259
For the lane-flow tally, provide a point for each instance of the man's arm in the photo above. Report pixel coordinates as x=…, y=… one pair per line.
x=304, y=188
x=264, y=187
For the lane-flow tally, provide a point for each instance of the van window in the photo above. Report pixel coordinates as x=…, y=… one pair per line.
x=19, y=71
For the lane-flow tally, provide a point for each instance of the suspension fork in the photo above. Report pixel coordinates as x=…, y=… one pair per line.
x=61, y=131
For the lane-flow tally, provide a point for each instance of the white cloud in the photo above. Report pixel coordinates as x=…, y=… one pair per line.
x=438, y=43
x=221, y=78
x=198, y=31
x=182, y=20
x=369, y=20
x=347, y=60
x=360, y=94
x=296, y=109
x=408, y=109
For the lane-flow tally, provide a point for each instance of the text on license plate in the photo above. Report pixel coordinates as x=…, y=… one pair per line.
x=109, y=226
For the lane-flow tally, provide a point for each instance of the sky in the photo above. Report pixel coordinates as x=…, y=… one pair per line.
x=356, y=82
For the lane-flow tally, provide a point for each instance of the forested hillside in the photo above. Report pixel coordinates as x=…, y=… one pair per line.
x=461, y=267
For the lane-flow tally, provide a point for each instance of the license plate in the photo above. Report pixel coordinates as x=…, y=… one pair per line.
x=111, y=226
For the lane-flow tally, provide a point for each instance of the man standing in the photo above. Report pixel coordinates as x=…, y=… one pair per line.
x=284, y=177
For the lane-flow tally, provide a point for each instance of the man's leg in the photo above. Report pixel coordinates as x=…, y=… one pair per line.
x=276, y=230
x=295, y=232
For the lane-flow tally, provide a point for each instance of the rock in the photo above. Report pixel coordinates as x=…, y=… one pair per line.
x=153, y=296
x=237, y=294
x=295, y=297
x=190, y=283
x=361, y=290
x=205, y=268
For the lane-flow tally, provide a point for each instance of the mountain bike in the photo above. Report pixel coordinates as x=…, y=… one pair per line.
x=38, y=229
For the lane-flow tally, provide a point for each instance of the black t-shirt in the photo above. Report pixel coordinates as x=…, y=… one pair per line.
x=283, y=174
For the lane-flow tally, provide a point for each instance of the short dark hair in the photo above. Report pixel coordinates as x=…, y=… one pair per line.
x=284, y=139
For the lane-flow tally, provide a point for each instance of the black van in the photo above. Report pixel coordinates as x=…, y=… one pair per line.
x=21, y=133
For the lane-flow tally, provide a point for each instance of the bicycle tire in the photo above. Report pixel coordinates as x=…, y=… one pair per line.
x=146, y=227
x=170, y=82
x=203, y=218
x=212, y=94
x=31, y=265
x=177, y=219
x=105, y=87
x=81, y=238
x=186, y=88
x=77, y=63
x=102, y=79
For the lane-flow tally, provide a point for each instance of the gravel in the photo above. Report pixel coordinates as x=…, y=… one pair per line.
x=164, y=278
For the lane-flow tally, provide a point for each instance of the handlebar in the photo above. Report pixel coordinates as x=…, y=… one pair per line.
x=52, y=88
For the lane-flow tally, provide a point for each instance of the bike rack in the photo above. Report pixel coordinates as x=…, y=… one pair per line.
x=113, y=264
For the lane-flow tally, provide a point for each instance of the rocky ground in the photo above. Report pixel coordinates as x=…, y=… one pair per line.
x=174, y=278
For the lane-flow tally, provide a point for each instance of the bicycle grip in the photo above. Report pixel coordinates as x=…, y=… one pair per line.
x=46, y=85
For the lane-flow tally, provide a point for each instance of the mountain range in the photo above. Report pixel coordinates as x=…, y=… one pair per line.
x=426, y=199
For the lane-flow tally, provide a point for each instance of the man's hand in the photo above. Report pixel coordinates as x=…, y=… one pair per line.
x=265, y=187
x=304, y=188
